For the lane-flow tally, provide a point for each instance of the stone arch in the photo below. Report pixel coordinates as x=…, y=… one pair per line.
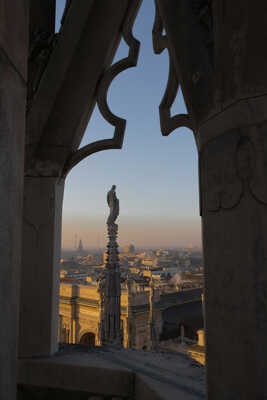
x=65, y=334
x=88, y=338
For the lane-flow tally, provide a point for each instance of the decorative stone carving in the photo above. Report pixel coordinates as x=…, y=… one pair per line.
x=101, y=290
x=119, y=124
x=191, y=22
x=221, y=186
x=152, y=323
x=41, y=48
x=257, y=161
x=167, y=122
x=232, y=165
x=203, y=12
x=111, y=286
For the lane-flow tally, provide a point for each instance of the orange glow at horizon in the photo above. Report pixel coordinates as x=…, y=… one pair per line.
x=139, y=231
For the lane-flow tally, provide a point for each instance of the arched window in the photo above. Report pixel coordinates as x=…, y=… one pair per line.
x=88, y=339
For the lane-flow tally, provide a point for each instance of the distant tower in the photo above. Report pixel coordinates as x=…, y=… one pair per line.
x=80, y=250
x=129, y=248
x=80, y=247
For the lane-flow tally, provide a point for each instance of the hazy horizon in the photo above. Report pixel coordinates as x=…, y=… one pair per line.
x=143, y=232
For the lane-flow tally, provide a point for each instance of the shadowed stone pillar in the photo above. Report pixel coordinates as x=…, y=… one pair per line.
x=13, y=78
x=40, y=262
x=217, y=49
x=234, y=214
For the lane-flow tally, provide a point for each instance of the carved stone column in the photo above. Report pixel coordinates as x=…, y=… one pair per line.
x=40, y=262
x=152, y=334
x=234, y=213
x=112, y=291
x=128, y=339
x=13, y=92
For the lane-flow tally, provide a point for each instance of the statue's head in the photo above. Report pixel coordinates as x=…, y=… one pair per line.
x=113, y=187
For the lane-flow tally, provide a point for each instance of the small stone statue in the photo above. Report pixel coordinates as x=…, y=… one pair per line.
x=113, y=203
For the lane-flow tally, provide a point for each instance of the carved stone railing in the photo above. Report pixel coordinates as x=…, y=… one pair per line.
x=119, y=123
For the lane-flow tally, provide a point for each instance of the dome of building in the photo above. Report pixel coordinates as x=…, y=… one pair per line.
x=129, y=248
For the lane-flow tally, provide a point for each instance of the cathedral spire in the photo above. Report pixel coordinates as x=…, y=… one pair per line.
x=112, y=290
x=80, y=246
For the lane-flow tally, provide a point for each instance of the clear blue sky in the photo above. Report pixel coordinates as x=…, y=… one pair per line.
x=156, y=177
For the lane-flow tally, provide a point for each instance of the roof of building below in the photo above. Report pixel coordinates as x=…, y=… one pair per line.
x=188, y=314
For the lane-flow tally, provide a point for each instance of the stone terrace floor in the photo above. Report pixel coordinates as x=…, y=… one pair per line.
x=112, y=374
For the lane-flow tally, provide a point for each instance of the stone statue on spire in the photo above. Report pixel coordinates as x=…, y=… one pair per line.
x=113, y=203
x=111, y=289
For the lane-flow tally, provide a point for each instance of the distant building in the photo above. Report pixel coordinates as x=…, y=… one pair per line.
x=80, y=250
x=129, y=248
x=80, y=315
x=197, y=351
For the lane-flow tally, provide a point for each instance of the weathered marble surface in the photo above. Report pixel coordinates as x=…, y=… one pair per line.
x=14, y=17
x=43, y=199
x=13, y=75
x=234, y=206
x=126, y=373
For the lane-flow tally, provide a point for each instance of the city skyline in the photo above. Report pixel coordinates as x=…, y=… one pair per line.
x=180, y=232
x=156, y=177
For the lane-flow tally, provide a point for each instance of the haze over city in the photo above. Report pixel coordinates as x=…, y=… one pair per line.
x=156, y=177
